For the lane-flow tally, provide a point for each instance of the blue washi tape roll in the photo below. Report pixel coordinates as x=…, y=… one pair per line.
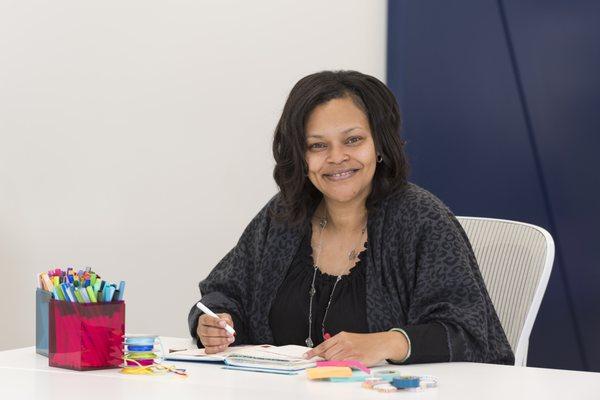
x=140, y=341
x=133, y=347
x=406, y=382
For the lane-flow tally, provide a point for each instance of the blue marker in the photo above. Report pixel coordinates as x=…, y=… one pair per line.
x=84, y=294
x=108, y=293
x=68, y=293
x=121, y=291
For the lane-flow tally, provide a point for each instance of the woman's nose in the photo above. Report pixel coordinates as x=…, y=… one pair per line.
x=337, y=154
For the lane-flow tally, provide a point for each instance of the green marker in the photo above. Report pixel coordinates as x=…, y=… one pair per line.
x=91, y=294
x=78, y=296
x=59, y=292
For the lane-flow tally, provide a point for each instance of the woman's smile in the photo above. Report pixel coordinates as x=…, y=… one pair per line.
x=341, y=175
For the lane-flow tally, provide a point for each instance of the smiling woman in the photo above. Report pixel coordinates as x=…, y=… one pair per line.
x=349, y=258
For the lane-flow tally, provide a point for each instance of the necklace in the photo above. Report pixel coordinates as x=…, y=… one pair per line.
x=313, y=291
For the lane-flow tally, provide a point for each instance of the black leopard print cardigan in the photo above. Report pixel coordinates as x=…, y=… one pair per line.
x=422, y=277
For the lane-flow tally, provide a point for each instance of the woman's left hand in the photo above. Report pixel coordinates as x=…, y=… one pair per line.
x=368, y=348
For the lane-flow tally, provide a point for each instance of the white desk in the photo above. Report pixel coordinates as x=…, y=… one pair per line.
x=26, y=375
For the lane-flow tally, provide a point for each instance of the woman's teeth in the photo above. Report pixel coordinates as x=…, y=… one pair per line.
x=341, y=175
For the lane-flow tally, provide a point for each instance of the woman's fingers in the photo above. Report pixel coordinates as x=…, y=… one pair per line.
x=335, y=352
x=204, y=330
x=227, y=319
x=212, y=333
x=216, y=341
x=214, y=349
x=321, y=349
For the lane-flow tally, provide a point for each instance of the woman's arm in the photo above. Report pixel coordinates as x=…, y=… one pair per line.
x=451, y=316
x=228, y=285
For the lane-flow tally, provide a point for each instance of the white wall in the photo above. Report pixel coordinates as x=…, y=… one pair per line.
x=135, y=136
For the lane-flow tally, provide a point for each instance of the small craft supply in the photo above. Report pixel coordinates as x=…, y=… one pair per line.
x=328, y=372
x=398, y=383
x=344, y=363
x=141, y=358
x=406, y=382
x=339, y=371
x=357, y=376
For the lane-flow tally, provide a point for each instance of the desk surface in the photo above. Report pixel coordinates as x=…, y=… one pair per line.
x=24, y=374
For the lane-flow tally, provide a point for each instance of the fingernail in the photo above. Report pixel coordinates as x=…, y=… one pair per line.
x=222, y=324
x=230, y=339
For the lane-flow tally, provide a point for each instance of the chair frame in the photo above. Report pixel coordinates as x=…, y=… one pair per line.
x=523, y=342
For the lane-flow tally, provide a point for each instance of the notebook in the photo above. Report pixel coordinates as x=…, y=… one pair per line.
x=261, y=358
x=199, y=355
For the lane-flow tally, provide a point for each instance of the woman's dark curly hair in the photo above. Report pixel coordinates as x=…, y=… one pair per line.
x=372, y=96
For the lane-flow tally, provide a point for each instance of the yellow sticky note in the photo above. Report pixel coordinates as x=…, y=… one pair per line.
x=328, y=372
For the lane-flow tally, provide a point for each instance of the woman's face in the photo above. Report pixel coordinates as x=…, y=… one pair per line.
x=340, y=153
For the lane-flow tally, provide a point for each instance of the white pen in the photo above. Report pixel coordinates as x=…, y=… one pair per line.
x=207, y=311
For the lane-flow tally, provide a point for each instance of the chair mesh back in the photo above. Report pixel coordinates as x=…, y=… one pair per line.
x=511, y=258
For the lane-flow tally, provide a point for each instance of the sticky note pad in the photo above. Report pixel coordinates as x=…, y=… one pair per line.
x=328, y=372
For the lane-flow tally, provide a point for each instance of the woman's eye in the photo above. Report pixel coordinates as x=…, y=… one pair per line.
x=354, y=139
x=316, y=145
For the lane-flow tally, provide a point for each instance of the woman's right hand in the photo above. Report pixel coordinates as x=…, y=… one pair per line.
x=212, y=333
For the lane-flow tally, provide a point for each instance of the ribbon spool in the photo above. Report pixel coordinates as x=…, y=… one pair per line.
x=140, y=354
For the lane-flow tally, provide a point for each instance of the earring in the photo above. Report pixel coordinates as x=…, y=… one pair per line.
x=379, y=158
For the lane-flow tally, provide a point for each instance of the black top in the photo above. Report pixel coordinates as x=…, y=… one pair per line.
x=289, y=314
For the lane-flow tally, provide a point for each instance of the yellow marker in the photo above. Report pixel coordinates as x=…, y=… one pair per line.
x=48, y=285
x=328, y=372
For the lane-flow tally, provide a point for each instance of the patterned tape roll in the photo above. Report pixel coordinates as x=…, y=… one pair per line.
x=406, y=382
x=140, y=341
x=132, y=347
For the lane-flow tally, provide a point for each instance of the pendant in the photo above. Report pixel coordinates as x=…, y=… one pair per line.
x=352, y=255
x=309, y=342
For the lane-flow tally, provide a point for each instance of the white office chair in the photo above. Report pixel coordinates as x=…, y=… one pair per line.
x=515, y=260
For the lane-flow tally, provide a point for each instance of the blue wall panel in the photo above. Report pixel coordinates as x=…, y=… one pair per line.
x=466, y=75
x=558, y=61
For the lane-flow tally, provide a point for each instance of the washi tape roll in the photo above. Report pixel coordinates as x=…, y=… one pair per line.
x=387, y=375
x=141, y=355
x=406, y=382
x=140, y=341
x=132, y=347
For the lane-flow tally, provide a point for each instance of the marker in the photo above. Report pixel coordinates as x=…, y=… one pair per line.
x=83, y=292
x=91, y=294
x=207, y=311
x=121, y=291
x=109, y=293
x=78, y=296
x=48, y=285
x=68, y=293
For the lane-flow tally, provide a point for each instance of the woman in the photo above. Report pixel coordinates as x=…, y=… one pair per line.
x=349, y=258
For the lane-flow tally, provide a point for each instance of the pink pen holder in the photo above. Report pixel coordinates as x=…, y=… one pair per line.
x=86, y=336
